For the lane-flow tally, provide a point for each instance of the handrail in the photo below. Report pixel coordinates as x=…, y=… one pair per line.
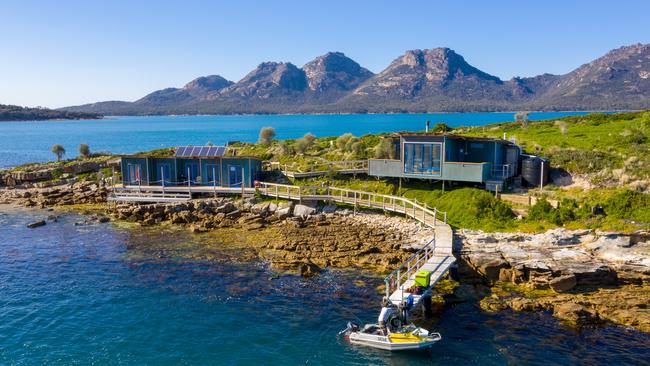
x=344, y=195
x=395, y=279
x=335, y=165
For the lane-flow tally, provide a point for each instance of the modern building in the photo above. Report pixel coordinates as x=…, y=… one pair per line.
x=193, y=166
x=486, y=161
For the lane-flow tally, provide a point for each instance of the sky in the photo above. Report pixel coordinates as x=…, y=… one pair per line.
x=61, y=53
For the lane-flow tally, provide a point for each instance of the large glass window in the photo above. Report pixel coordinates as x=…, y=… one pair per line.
x=422, y=158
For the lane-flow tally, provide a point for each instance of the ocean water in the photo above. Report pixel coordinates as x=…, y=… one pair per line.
x=108, y=295
x=23, y=142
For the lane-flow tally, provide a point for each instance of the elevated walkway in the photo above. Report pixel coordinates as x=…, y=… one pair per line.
x=349, y=167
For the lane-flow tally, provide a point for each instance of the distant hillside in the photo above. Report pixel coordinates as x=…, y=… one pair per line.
x=17, y=113
x=428, y=80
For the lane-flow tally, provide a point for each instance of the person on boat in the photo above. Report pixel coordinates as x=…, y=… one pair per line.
x=387, y=311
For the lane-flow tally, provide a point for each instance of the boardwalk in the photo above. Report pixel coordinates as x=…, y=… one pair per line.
x=435, y=257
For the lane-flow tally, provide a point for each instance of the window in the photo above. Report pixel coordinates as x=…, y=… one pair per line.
x=422, y=158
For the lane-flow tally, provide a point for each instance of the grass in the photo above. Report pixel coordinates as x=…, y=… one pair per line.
x=606, y=147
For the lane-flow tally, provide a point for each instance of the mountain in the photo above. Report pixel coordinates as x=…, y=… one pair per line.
x=17, y=113
x=618, y=80
x=428, y=80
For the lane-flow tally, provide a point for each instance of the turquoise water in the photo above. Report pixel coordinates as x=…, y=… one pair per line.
x=104, y=295
x=23, y=142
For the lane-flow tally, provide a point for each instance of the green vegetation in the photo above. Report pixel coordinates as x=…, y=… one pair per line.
x=58, y=151
x=608, y=149
x=84, y=150
x=267, y=134
x=17, y=113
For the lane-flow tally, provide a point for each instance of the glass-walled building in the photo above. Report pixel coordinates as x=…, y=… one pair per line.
x=450, y=158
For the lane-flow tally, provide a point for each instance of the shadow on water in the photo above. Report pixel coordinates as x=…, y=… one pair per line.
x=112, y=295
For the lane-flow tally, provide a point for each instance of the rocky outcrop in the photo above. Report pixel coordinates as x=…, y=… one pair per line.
x=36, y=174
x=581, y=276
x=295, y=237
x=67, y=194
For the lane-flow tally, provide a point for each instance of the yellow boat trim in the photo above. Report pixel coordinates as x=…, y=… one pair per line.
x=405, y=338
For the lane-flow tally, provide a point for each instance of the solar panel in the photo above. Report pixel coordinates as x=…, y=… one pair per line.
x=200, y=151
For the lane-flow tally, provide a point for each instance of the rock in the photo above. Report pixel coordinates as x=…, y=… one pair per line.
x=488, y=264
x=303, y=211
x=226, y=208
x=575, y=313
x=35, y=224
x=104, y=219
x=283, y=212
x=563, y=283
x=309, y=269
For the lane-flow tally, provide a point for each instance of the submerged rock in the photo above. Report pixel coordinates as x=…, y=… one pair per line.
x=36, y=224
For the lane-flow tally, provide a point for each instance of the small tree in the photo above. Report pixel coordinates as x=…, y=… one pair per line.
x=59, y=151
x=266, y=135
x=84, y=150
x=522, y=117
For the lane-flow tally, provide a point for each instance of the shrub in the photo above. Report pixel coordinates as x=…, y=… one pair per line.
x=267, y=134
x=442, y=127
x=300, y=146
x=59, y=151
x=309, y=139
x=384, y=149
x=84, y=150
x=343, y=140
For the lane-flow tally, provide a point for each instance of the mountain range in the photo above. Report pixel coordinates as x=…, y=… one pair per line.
x=428, y=80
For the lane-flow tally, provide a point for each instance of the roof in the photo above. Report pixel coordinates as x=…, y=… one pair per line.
x=200, y=151
x=452, y=136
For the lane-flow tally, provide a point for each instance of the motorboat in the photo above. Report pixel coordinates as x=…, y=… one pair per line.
x=405, y=338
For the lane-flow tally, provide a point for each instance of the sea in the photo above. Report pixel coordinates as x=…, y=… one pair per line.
x=79, y=293
x=31, y=141
x=73, y=293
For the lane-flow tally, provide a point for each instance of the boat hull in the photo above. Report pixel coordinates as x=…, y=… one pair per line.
x=384, y=342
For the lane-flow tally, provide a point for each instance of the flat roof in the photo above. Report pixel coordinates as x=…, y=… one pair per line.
x=452, y=136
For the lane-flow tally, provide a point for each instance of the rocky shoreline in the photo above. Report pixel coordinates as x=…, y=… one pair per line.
x=296, y=236
x=581, y=276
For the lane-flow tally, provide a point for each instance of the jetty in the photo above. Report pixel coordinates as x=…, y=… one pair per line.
x=435, y=257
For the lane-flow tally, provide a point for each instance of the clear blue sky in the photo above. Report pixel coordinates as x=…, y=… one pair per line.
x=59, y=53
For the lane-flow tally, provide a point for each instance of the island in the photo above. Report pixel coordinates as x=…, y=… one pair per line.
x=18, y=113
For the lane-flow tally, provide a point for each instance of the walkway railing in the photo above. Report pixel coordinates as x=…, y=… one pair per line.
x=322, y=168
x=418, y=211
x=398, y=277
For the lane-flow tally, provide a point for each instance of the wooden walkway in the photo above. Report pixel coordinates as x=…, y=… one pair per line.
x=349, y=167
x=435, y=257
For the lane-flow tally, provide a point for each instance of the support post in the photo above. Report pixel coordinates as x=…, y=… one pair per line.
x=189, y=182
x=243, y=179
x=214, y=181
x=162, y=174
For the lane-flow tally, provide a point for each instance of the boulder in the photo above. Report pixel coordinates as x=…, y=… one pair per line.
x=563, y=283
x=226, y=208
x=303, y=210
x=309, y=269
